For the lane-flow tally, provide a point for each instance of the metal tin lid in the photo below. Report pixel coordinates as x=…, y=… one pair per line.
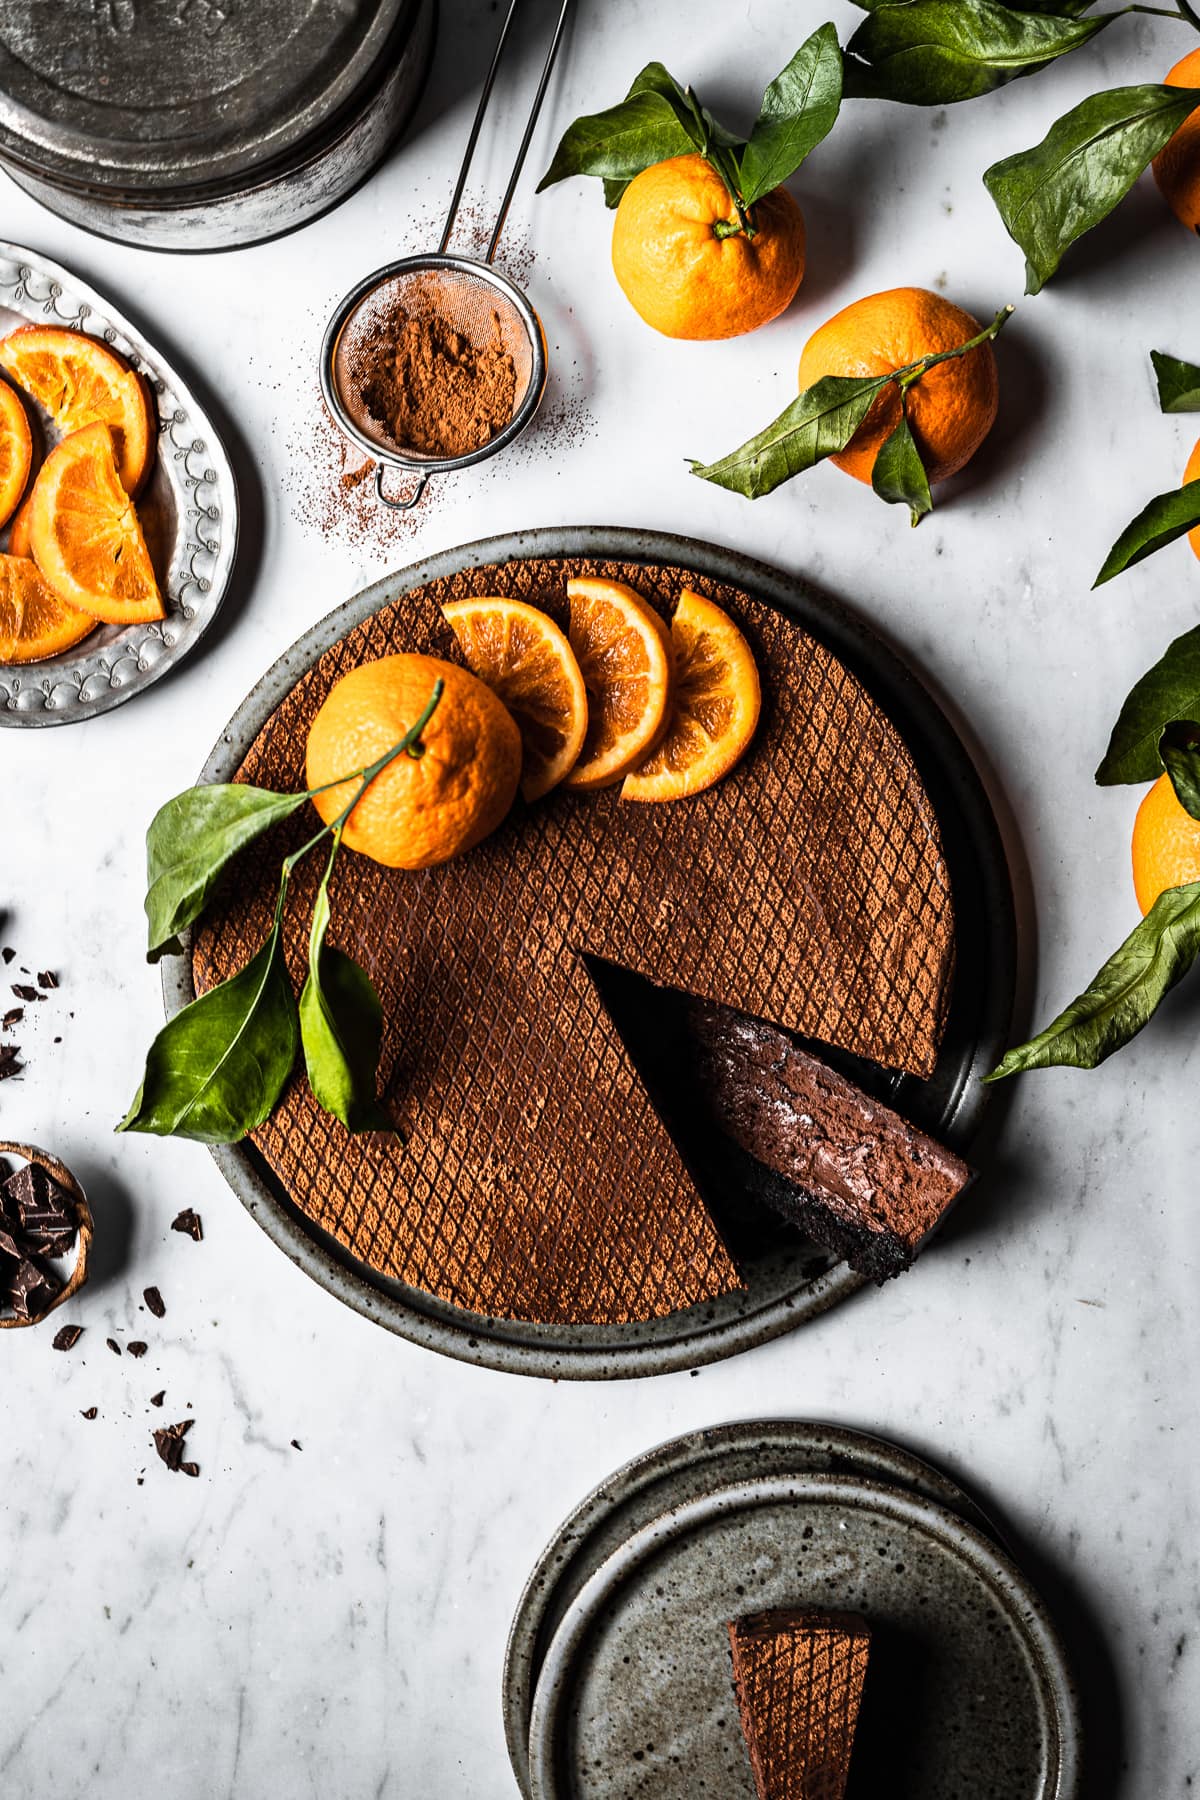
x=155, y=95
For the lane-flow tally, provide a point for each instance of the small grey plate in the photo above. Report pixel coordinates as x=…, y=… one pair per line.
x=967, y=1690
x=188, y=508
x=685, y=1469
x=785, y=1285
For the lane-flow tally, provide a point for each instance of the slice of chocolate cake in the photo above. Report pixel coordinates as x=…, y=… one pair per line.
x=798, y=1677
x=534, y=1179
x=859, y=1180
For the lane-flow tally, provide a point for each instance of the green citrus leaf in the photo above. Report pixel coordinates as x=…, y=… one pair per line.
x=341, y=1027
x=216, y=1070
x=935, y=52
x=1178, y=383
x=1179, y=748
x=1168, y=691
x=189, y=843
x=1089, y=159
x=818, y=422
x=1125, y=994
x=654, y=121
x=798, y=110
x=899, y=474
x=1167, y=517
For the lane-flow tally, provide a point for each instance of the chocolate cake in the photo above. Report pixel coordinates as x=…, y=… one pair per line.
x=859, y=1179
x=534, y=1179
x=798, y=1677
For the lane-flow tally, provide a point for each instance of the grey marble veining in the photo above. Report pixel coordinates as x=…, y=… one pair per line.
x=331, y=1619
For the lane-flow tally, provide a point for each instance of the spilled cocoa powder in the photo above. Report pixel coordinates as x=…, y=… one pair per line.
x=431, y=388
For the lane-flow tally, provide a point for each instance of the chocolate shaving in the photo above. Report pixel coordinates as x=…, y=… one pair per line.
x=24, y=992
x=137, y=1347
x=168, y=1441
x=154, y=1301
x=10, y=1063
x=296, y=1444
x=188, y=1222
x=157, y=1399
x=13, y=1016
x=66, y=1337
x=113, y=1346
x=7, y=954
x=47, y=979
x=90, y=1413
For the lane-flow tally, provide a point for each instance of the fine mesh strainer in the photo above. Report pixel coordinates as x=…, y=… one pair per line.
x=470, y=297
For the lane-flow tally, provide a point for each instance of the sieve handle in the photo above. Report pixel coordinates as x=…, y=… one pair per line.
x=476, y=126
x=399, y=505
x=530, y=124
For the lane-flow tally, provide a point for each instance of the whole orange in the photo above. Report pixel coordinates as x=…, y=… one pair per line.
x=1192, y=473
x=420, y=810
x=951, y=409
x=1177, y=166
x=686, y=267
x=1166, y=844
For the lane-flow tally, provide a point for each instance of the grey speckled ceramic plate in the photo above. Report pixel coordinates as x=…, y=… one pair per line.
x=967, y=1696
x=685, y=1469
x=189, y=512
x=785, y=1284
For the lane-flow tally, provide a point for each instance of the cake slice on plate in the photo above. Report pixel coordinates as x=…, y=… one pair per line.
x=798, y=1677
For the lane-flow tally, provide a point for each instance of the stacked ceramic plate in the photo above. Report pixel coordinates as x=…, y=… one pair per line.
x=617, y=1679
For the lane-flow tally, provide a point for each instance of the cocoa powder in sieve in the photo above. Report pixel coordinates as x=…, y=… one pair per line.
x=431, y=388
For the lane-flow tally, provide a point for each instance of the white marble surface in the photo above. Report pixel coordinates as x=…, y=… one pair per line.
x=332, y=1620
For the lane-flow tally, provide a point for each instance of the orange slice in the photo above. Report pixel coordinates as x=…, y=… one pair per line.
x=714, y=710
x=18, y=532
x=80, y=381
x=623, y=650
x=86, y=537
x=521, y=654
x=34, y=623
x=16, y=452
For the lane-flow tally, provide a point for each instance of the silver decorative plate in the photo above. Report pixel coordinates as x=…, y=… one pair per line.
x=188, y=508
x=967, y=1690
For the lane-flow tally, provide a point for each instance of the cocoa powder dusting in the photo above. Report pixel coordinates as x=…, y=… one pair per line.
x=432, y=389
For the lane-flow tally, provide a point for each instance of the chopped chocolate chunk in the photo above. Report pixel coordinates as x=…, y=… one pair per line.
x=8, y=1243
x=168, y=1441
x=47, y=979
x=189, y=1468
x=154, y=1301
x=7, y=954
x=113, y=1346
x=10, y=1063
x=41, y=1203
x=13, y=1016
x=189, y=1222
x=157, y=1399
x=23, y=992
x=90, y=1413
x=137, y=1347
x=66, y=1337
x=296, y=1444
x=31, y=1289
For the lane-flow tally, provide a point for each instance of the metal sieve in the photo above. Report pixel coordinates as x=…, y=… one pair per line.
x=470, y=296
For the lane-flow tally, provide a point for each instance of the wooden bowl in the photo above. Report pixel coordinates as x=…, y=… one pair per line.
x=83, y=1224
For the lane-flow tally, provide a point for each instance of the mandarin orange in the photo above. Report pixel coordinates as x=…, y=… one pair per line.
x=1177, y=166
x=950, y=410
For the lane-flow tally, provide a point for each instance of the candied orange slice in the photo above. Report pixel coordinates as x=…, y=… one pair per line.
x=18, y=531
x=80, y=381
x=34, y=622
x=16, y=452
x=623, y=650
x=714, y=707
x=520, y=653
x=87, y=540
